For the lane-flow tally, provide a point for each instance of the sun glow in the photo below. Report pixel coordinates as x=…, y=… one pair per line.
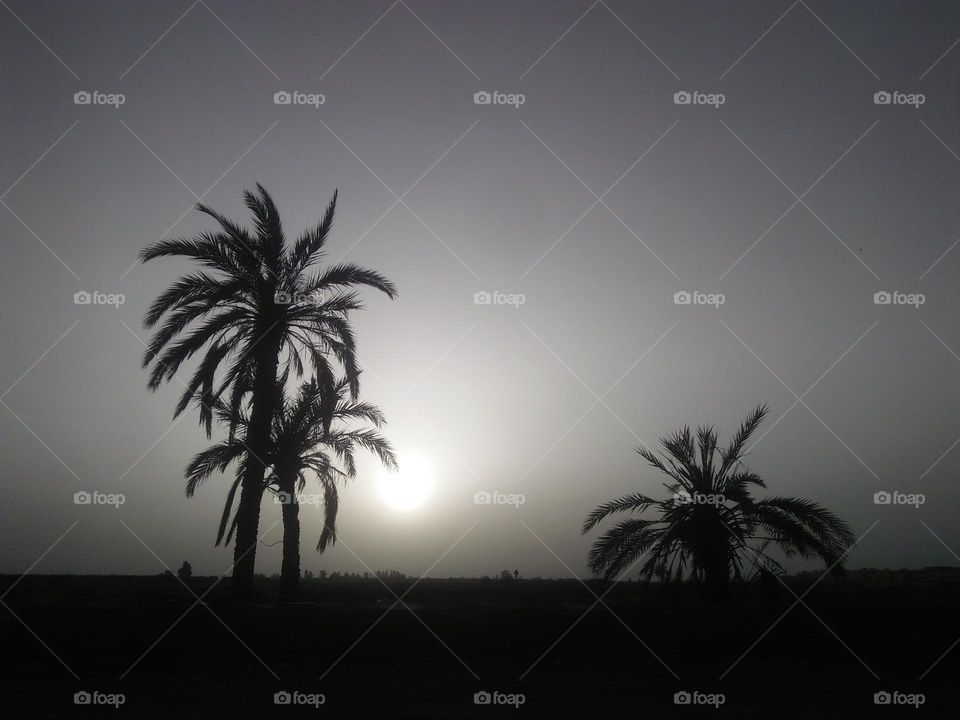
x=411, y=485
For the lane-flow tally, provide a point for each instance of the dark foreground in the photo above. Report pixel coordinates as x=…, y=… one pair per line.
x=454, y=638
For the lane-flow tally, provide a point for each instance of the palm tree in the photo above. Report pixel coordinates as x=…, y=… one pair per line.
x=257, y=307
x=320, y=422
x=712, y=526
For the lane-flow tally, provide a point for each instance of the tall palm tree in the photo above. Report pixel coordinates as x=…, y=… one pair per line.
x=712, y=527
x=316, y=432
x=257, y=307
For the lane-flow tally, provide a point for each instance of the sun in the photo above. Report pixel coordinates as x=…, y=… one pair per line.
x=411, y=485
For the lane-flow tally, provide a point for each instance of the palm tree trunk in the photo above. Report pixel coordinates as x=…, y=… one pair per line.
x=290, y=568
x=251, y=488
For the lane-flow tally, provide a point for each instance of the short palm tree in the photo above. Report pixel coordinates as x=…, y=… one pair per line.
x=315, y=432
x=712, y=527
x=257, y=307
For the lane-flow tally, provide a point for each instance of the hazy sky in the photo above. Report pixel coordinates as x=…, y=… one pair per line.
x=798, y=198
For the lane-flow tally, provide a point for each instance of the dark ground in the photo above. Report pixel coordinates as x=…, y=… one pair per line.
x=100, y=626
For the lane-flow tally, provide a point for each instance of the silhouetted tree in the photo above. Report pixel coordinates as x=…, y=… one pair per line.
x=321, y=421
x=257, y=306
x=704, y=531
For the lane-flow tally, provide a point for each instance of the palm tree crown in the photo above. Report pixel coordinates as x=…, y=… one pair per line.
x=712, y=527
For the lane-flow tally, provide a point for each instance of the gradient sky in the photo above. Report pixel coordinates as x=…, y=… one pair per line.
x=797, y=199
